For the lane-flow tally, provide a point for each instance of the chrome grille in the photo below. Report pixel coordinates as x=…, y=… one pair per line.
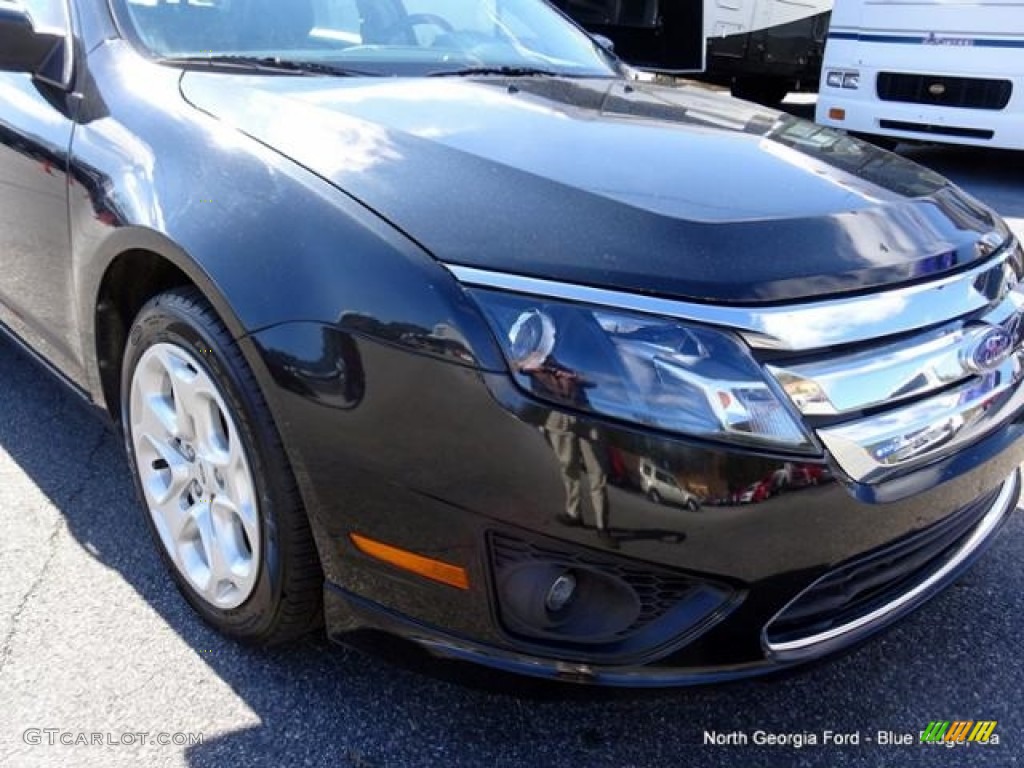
x=942, y=90
x=889, y=373
x=887, y=407
x=873, y=588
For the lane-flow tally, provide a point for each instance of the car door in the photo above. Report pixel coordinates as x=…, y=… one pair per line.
x=36, y=299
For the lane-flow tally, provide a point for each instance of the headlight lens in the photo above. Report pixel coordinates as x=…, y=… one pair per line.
x=643, y=369
x=837, y=78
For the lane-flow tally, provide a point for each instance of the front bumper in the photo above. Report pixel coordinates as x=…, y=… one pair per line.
x=469, y=456
x=865, y=113
x=348, y=613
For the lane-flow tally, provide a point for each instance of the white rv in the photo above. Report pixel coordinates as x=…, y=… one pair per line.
x=940, y=70
x=761, y=48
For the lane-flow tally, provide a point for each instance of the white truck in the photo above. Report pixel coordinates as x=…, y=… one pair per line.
x=940, y=70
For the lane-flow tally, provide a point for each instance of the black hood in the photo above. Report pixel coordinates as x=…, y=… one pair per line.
x=675, y=191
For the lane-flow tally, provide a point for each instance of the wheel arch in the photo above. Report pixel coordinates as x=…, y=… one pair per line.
x=135, y=266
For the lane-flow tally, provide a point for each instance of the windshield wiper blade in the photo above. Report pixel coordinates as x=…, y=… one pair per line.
x=268, y=64
x=506, y=71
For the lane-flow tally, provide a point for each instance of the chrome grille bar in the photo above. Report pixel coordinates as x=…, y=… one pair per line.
x=870, y=450
x=908, y=598
x=903, y=370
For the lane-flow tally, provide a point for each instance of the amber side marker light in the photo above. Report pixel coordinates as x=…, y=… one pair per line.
x=836, y=113
x=446, y=573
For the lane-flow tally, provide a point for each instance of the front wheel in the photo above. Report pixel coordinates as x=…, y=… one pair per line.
x=220, y=498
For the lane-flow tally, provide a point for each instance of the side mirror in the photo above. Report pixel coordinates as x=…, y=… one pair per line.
x=22, y=48
x=605, y=43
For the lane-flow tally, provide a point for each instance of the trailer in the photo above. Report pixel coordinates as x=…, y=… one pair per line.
x=762, y=49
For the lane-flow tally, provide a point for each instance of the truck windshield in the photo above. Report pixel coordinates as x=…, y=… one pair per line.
x=380, y=37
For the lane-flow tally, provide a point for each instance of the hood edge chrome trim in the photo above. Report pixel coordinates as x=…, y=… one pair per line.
x=793, y=327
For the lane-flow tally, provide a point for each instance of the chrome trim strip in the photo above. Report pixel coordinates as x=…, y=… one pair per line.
x=981, y=532
x=806, y=326
x=895, y=441
x=893, y=372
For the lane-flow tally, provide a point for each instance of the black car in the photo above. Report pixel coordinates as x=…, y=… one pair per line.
x=392, y=299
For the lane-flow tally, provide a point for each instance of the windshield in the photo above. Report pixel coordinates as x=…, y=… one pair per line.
x=377, y=37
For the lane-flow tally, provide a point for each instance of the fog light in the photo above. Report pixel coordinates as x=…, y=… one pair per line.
x=590, y=607
x=565, y=602
x=561, y=592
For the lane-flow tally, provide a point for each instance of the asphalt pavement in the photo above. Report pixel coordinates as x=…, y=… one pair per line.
x=98, y=648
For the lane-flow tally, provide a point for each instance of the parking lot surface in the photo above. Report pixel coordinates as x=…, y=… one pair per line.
x=95, y=640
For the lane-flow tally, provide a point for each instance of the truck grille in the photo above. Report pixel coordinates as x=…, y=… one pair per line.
x=872, y=580
x=941, y=90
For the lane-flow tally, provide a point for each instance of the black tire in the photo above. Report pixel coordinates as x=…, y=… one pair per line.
x=654, y=496
x=286, y=601
x=692, y=505
x=769, y=91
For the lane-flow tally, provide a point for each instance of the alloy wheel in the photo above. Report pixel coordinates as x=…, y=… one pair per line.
x=196, y=478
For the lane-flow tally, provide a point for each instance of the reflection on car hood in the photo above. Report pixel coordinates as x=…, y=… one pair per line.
x=675, y=191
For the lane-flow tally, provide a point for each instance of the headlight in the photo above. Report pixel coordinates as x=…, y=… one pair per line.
x=837, y=78
x=643, y=369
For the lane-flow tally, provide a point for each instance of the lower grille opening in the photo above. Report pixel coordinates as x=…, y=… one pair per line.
x=937, y=130
x=876, y=579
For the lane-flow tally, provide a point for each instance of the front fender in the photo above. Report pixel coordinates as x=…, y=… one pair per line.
x=265, y=240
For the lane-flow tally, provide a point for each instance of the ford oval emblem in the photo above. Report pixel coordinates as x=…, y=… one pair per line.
x=990, y=350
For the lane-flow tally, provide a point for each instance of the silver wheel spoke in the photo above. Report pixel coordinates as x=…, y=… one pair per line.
x=234, y=534
x=231, y=470
x=170, y=484
x=157, y=419
x=213, y=549
x=170, y=507
x=190, y=387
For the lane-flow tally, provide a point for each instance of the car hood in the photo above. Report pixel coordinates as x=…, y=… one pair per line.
x=674, y=191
